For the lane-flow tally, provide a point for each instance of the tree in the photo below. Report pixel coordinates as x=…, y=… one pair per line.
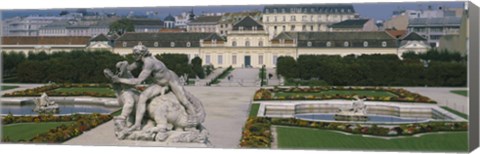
x=121, y=26
x=287, y=67
x=197, y=68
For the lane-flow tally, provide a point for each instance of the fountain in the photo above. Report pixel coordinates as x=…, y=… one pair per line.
x=45, y=105
x=358, y=112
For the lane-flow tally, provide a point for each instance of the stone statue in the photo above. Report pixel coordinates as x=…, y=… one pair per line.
x=45, y=105
x=358, y=111
x=165, y=111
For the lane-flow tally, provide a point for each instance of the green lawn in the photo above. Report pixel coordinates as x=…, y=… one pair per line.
x=8, y=87
x=372, y=93
x=308, y=138
x=26, y=131
x=463, y=115
x=254, y=110
x=97, y=90
x=460, y=92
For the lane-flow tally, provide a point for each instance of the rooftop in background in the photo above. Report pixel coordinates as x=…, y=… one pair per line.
x=396, y=33
x=206, y=19
x=153, y=22
x=310, y=8
x=45, y=40
x=237, y=16
x=446, y=21
x=351, y=23
x=248, y=23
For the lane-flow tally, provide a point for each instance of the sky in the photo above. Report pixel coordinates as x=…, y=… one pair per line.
x=377, y=11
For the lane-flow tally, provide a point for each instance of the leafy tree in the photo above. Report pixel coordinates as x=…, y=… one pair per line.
x=287, y=67
x=121, y=26
x=197, y=68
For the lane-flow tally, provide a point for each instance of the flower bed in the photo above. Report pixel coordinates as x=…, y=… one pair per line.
x=254, y=134
x=402, y=95
x=50, y=90
x=60, y=133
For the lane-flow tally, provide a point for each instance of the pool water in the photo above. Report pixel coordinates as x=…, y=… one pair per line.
x=371, y=118
x=64, y=109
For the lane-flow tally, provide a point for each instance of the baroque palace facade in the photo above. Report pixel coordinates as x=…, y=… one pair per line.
x=250, y=42
x=249, y=45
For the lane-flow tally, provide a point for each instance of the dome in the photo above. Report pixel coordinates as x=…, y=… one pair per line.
x=169, y=18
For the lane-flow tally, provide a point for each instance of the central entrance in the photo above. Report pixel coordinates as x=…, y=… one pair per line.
x=247, y=61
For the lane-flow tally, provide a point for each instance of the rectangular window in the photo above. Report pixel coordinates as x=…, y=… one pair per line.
x=207, y=59
x=220, y=59
x=274, y=59
x=234, y=59
x=292, y=28
x=260, y=59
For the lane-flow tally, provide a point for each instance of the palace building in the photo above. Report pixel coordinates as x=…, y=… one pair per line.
x=248, y=44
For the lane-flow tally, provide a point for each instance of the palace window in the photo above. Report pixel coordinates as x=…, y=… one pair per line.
x=220, y=59
x=345, y=44
x=207, y=59
x=214, y=41
x=172, y=44
x=260, y=59
x=292, y=18
x=124, y=44
x=329, y=44
x=260, y=43
x=384, y=44
x=234, y=43
x=247, y=43
x=282, y=41
x=234, y=59
x=155, y=44
x=309, y=44
x=284, y=19
x=292, y=28
x=274, y=60
x=189, y=44
x=365, y=44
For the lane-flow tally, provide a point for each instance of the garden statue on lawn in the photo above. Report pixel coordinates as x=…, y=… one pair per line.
x=172, y=115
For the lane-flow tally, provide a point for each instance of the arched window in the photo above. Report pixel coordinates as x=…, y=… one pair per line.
x=172, y=44
x=260, y=43
x=189, y=44
x=155, y=44
x=329, y=44
x=124, y=44
x=309, y=44
x=365, y=44
x=247, y=43
x=384, y=44
x=234, y=43
x=345, y=44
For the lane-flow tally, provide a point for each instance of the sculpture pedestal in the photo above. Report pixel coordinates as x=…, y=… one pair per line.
x=165, y=144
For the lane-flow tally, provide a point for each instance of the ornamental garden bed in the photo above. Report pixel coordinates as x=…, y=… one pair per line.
x=257, y=133
x=94, y=90
x=48, y=128
x=348, y=93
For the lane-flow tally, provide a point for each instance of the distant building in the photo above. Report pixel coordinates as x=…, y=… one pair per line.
x=304, y=18
x=413, y=42
x=352, y=25
x=183, y=19
x=169, y=22
x=434, y=28
x=209, y=24
x=48, y=44
x=147, y=25
x=399, y=22
x=229, y=19
x=101, y=42
x=456, y=42
x=431, y=23
x=29, y=26
x=78, y=27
